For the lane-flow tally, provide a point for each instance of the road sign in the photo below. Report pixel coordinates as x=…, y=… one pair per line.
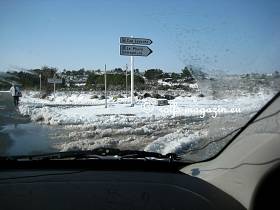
x=52, y=80
x=135, y=50
x=140, y=41
x=133, y=47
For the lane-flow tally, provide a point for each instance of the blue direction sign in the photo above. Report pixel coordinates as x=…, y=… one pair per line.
x=140, y=41
x=135, y=50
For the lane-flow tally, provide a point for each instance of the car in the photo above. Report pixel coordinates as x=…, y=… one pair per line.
x=139, y=104
x=240, y=176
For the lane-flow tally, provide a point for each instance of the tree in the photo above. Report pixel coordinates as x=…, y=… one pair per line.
x=81, y=71
x=186, y=72
x=276, y=74
x=175, y=76
x=118, y=70
x=30, y=78
x=153, y=74
x=47, y=72
x=193, y=73
x=91, y=80
x=166, y=75
x=115, y=81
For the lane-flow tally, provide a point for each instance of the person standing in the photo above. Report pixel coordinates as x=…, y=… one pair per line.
x=15, y=92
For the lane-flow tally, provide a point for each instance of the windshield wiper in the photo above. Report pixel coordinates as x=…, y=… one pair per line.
x=99, y=153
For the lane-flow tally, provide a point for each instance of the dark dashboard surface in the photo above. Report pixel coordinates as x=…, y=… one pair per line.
x=89, y=188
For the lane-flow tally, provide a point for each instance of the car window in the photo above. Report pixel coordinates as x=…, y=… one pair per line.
x=176, y=77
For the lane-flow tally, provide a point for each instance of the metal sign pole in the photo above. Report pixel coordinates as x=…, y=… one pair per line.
x=54, y=89
x=54, y=80
x=133, y=47
x=105, y=78
x=132, y=79
x=54, y=77
x=40, y=82
x=126, y=80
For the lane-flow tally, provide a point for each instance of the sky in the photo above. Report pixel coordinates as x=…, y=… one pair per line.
x=235, y=36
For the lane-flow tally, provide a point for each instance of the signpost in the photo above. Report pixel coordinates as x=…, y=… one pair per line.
x=140, y=41
x=132, y=79
x=40, y=76
x=54, y=81
x=126, y=80
x=132, y=47
x=105, y=78
x=135, y=50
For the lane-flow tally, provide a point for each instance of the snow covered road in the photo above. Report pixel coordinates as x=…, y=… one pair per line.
x=184, y=123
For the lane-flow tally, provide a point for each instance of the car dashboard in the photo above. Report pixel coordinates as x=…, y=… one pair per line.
x=97, y=184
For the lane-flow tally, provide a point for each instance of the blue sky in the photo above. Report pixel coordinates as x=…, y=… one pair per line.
x=232, y=36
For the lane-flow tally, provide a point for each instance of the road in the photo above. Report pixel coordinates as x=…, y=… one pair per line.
x=8, y=112
x=18, y=135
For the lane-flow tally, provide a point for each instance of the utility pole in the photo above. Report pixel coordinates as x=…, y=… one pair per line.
x=105, y=78
x=132, y=78
x=54, y=85
x=126, y=80
x=40, y=76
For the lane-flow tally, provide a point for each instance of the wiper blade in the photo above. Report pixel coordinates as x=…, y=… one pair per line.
x=126, y=154
x=51, y=156
x=99, y=153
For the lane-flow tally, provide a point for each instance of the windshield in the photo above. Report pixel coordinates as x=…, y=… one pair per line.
x=158, y=76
